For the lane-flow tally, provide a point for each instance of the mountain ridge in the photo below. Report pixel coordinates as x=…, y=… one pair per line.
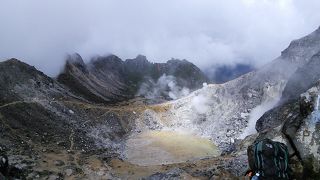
x=109, y=79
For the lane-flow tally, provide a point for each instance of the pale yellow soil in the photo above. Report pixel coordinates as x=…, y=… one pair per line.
x=167, y=147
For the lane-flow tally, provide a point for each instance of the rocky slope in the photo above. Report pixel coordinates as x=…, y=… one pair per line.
x=304, y=78
x=223, y=111
x=102, y=81
x=40, y=119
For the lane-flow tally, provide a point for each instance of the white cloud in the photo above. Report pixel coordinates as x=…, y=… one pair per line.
x=203, y=31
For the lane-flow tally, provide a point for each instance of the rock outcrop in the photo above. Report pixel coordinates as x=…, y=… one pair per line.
x=304, y=78
x=296, y=118
x=297, y=124
x=101, y=81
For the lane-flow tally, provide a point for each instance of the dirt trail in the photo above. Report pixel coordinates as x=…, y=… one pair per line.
x=71, y=139
x=12, y=103
x=192, y=169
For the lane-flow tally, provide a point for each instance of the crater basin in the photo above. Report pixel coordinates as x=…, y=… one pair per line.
x=167, y=147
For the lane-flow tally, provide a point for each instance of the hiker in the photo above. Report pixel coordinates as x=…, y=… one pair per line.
x=4, y=165
x=268, y=160
x=7, y=171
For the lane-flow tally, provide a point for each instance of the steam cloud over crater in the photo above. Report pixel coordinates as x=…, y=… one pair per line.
x=165, y=86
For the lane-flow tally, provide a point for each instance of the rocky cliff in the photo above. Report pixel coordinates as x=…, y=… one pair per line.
x=101, y=81
x=296, y=123
x=296, y=118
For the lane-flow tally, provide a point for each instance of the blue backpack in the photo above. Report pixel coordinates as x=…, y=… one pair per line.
x=269, y=159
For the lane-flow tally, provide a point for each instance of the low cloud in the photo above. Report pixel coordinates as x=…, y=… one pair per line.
x=204, y=32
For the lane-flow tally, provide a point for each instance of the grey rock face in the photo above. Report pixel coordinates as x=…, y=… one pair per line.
x=307, y=135
x=297, y=123
x=296, y=119
x=99, y=82
x=296, y=112
x=304, y=78
x=276, y=116
x=14, y=75
x=301, y=50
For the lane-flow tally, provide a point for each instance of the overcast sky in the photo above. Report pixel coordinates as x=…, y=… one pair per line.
x=204, y=32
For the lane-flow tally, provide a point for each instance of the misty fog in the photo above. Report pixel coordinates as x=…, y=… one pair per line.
x=205, y=32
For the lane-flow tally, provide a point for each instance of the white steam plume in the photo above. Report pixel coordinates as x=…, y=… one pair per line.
x=200, y=104
x=256, y=113
x=164, y=87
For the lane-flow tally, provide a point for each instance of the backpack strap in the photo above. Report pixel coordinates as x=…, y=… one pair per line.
x=286, y=162
x=284, y=150
x=256, y=157
x=282, y=170
x=259, y=157
x=276, y=159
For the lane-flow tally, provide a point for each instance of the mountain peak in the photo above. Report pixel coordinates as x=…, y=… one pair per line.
x=141, y=57
x=13, y=60
x=105, y=59
x=75, y=59
x=139, y=60
x=106, y=62
x=318, y=30
x=13, y=63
